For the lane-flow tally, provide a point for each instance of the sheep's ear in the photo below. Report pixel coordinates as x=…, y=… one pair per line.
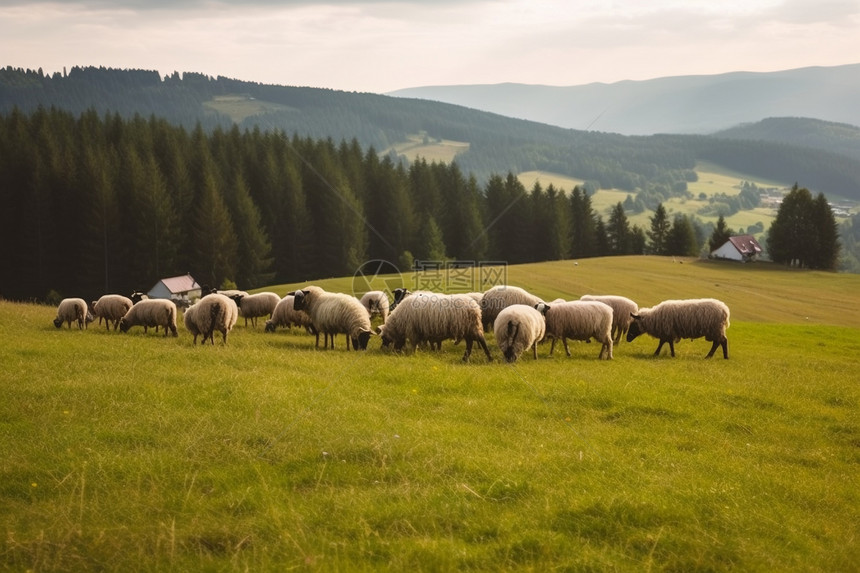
x=291, y=293
x=635, y=316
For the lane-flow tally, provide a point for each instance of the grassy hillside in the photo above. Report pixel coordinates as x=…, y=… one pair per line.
x=712, y=180
x=136, y=452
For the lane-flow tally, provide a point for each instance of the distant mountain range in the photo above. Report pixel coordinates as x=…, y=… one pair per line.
x=680, y=105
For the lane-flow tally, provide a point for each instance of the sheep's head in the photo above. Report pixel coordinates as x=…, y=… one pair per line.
x=299, y=300
x=360, y=341
x=58, y=322
x=635, y=328
x=542, y=308
x=124, y=325
x=399, y=294
x=270, y=325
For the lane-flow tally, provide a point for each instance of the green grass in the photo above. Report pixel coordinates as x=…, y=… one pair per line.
x=136, y=452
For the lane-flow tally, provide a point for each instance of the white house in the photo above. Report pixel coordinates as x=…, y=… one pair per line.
x=742, y=248
x=182, y=288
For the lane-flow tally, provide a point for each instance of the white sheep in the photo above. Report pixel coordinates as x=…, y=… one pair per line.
x=210, y=313
x=623, y=310
x=501, y=296
x=334, y=313
x=517, y=328
x=151, y=312
x=71, y=309
x=111, y=308
x=255, y=305
x=376, y=302
x=672, y=320
x=287, y=316
x=433, y=317
x=579, y=320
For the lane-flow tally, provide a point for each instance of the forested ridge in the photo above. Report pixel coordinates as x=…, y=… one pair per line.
x=97, y=202
x=658, y=164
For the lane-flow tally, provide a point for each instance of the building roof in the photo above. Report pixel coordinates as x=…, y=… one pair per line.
x=180, y=284
x=746, y=245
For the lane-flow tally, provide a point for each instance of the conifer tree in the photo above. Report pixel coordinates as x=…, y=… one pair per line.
x=827, y=235
x=659, y=232
x=253, y=249
x=720, y=235
x=583, y=230
x=682, y=240
x=212, y=238
x=618, y=231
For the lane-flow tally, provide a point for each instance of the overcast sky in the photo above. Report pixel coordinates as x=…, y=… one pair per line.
x=379, y=46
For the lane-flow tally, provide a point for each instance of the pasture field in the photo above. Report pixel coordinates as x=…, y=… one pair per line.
x=131, y=452
x=713, y=180
x=438, y=150
x=240, y=106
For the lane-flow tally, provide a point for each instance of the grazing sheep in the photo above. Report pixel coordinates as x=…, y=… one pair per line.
x=672, y=320
x=376, y=302
x=333, y=313
x=73, y=309
x=434, y=317
x=111, y=307
x=255, y=305
x=210, y=313
x=517, y=328
x=579, y=320
x=502, y=296
x=623, y=310
x=287, y=316
x=151, y=312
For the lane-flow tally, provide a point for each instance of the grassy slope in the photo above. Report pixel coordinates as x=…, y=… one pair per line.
x=130, y=452
x=713, y=180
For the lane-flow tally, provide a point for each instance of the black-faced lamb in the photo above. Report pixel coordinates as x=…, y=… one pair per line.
x=672, y=320
x=287, y=316
x=334, y=313
x=501, y=296
x=433, y=317
x=111, y=308
x=579, y=320
x=73, y=309
x=623, y=310
x=210, y=313
x=376, y=302
x=517, y=328
x=151, y=312
x=256, y=305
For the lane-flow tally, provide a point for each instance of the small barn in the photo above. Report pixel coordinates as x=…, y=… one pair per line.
x=743, y=248
x=182, y=288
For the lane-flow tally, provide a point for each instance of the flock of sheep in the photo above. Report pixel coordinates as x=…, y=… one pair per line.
x=519, y=319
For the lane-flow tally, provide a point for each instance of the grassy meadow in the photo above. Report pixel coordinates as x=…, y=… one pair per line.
x=130, y=452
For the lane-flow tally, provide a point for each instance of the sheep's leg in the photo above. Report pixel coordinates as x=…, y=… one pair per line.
x=534, y=349
x=468, y=349
x=566, y=348
x=483, y=342
x=552, y=347
x=660, y=347
x=725, y=345
x=672, y=348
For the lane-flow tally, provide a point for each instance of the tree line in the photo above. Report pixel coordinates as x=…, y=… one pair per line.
x=95, y=204
x=656, y=168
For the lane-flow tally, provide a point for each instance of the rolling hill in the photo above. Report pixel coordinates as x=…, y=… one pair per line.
x=682, y=104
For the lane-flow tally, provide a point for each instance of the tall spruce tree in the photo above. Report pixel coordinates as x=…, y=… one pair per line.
x=682, y=239
x=827, y=244
x=583, y=230
x=618, y=231
x=659, y=232
x=792, y=235
x=721, y=234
